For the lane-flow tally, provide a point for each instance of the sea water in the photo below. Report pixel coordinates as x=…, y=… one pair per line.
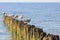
x=43, y=15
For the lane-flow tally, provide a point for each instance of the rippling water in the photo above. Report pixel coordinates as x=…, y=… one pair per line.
x=43, y=15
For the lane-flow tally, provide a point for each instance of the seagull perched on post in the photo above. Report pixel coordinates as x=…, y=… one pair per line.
x=16, y=16
x=4, y=13
x=19, y=18
x=27, y=21
x=11, y=15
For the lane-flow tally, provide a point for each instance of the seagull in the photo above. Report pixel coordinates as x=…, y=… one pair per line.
x=4, y=13
x=14, y=17
x=11, y=15
x=19, y=18
x=27, y=21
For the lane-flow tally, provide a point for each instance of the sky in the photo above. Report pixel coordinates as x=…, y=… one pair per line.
x=29, y=0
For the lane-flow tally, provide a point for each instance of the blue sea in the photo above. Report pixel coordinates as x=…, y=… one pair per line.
x=43, y=15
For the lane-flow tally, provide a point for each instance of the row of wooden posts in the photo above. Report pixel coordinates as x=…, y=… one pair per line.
x=24, y=31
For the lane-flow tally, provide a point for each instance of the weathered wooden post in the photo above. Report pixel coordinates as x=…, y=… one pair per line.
x=27, y=34
x=13, y=30
x=22, y=30
x=29, y=29
x=37, y=34
x=4, y=17
x=18, y=30
x=17, y=35
x=45, y=38
x=42, y=34
x=25, y=31
x=32, y=32
x=10, y=22
x=56, y=37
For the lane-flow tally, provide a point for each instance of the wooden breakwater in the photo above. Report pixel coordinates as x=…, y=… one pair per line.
x=25, y=31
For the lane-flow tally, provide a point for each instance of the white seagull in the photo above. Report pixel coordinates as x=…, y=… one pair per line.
x=4, y=13
x=27, y=21
x=19, y=18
